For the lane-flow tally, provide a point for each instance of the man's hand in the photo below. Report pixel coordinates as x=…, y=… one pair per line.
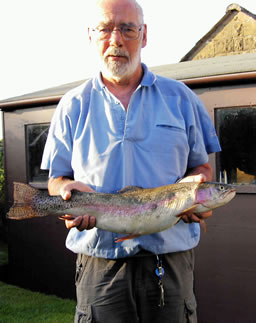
x=189, y=216
x=83, y=222
x=64, y=186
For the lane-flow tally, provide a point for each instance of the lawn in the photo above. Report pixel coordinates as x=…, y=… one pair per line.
x=18, y=305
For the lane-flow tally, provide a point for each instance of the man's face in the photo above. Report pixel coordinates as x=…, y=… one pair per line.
x=119, y=55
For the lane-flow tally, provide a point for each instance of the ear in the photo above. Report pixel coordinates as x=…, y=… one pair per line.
x=144, y=39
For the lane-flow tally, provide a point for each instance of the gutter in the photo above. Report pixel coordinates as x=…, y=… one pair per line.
x=226, y=79
x=205, y=81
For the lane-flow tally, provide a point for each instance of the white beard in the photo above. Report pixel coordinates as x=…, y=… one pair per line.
x=119, y=70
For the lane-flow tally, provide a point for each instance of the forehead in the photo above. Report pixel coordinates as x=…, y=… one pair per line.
x=116, y=12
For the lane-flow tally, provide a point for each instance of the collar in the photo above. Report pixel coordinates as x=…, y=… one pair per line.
x=148, y=79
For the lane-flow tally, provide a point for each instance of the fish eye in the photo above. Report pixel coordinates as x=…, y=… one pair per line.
x=221, y=187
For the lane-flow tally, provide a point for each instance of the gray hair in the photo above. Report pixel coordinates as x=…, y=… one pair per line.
x=140, y=10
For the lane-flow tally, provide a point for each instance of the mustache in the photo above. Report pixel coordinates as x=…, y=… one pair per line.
x=116, y=52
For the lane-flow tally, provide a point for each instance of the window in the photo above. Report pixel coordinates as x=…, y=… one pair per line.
x=236, y=128
x=36, y=135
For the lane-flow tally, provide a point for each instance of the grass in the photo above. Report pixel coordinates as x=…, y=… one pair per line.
x=18, y=305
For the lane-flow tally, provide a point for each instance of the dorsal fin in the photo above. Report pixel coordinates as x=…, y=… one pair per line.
x=130, y=189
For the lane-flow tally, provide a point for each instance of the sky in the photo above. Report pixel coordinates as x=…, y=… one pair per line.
x=44, y=42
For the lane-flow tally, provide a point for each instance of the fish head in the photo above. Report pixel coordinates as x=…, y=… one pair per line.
x=213, y=195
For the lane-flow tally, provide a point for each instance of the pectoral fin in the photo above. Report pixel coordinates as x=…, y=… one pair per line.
x=130, y=236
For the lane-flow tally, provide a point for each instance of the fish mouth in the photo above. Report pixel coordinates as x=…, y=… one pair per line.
x=225, y=198
x=228, y=196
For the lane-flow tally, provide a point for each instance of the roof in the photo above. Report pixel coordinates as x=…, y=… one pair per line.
x=212, y=70
x=232, y=13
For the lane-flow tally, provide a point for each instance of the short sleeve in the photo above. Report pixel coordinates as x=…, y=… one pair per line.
x=57, y=154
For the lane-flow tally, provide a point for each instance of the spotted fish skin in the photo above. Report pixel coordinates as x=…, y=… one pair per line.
x=133, y=210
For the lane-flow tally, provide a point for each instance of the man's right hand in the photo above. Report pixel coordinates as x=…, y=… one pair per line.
x=82, y=222
x=64, y=186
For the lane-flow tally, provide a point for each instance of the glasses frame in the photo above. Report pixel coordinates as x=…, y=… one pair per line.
x=121, y=28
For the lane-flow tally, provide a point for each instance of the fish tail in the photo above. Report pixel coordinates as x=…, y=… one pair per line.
x=22, y=208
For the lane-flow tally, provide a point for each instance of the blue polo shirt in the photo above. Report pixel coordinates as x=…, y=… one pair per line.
x=165, y=131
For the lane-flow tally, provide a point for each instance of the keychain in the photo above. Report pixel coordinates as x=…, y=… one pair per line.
x=160, y=273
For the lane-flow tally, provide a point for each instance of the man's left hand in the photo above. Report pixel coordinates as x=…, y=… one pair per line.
x=189, y=216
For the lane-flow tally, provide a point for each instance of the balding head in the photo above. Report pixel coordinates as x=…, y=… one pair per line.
x=95, y=6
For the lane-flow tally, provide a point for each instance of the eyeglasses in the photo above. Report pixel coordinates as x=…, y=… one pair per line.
x=128, y=32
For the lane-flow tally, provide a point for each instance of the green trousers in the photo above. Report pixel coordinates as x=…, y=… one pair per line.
x=127, y=290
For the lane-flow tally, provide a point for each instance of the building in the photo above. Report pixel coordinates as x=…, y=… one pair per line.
x=234, y=34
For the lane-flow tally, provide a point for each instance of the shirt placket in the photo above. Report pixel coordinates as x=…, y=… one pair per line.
x=129, y=115
x=118, y=112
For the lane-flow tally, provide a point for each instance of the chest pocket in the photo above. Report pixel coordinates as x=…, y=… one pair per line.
x=165, y=137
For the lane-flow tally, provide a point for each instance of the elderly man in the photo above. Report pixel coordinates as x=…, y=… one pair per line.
x=127, y=126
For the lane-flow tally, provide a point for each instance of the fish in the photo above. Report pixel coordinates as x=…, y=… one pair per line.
x=133, y=211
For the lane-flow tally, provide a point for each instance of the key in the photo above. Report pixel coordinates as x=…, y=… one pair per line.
x=160, y=272
x=161, y=303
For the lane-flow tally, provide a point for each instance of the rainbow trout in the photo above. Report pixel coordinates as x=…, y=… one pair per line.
x=134, y=211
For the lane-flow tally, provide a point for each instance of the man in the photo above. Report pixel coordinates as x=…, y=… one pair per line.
x=124, y=127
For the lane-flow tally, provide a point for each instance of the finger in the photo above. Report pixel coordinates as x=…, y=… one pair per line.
x=203, y=225
x=66, y=217
x=88, y=222
x=185, y=218
x=65, y=194
x=190, y=218
x=194, y=178
x=201, y=178
x=204, y=215
x=73, y=223
x=69, y=224
x=194, y=218
x=79, y=186
x=84, y=223
x=92, y=222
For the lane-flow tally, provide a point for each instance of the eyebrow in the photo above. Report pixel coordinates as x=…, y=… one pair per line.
x=129, y=24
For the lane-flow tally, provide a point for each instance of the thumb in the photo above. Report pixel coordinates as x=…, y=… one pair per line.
x=201, y=178
x=194, y=178
x=65, y=194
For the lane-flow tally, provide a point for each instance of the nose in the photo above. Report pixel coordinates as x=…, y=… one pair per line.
x=116, y=37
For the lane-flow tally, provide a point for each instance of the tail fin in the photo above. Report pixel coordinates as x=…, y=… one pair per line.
x=22, y=208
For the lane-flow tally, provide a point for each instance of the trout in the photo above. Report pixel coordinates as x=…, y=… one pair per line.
x=132, y=211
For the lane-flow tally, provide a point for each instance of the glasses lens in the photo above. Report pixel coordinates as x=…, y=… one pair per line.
x=103, y=33
x=130, y=32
